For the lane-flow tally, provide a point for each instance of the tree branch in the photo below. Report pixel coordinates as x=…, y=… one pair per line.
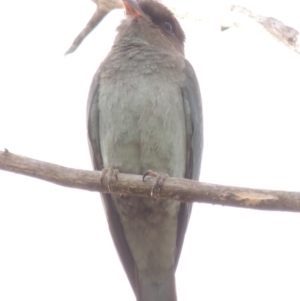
x=103, y=8
x=238, y=16
x=173, y=188
x=242, y=17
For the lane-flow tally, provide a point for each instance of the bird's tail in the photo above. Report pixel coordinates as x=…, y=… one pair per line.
x=151, y=291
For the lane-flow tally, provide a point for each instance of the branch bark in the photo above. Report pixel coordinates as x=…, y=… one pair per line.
x=173, y=188
x=237, y=16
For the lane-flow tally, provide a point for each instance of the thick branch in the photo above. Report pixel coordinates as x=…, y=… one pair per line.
x=238, y=16
x=173, y=188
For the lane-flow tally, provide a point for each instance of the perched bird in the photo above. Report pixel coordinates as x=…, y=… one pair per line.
x=144, y=112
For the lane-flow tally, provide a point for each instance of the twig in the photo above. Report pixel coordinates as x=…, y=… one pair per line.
x=103, y=8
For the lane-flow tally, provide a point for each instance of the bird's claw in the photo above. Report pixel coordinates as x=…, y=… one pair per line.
x=158, y=183
x=112, y=173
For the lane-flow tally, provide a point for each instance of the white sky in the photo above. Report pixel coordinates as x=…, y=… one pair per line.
x=54, y=241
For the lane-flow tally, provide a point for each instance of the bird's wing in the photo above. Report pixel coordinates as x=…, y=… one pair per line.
x=93, y=122
x=194, y=127
x=111, y=212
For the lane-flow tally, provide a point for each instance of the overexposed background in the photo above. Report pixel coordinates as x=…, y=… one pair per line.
x=54, y=241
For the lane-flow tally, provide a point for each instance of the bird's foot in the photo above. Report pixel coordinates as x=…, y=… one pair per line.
x=112, y=175
x=161, y=177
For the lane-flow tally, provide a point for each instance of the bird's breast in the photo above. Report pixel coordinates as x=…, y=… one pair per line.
x=142, y=122
x=142, y=126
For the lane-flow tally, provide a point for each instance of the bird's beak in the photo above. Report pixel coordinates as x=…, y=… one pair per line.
x=132, y=8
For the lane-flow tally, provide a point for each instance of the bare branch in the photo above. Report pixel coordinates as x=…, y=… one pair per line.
x=103, y=8
x=238, y=16
x=173, y=188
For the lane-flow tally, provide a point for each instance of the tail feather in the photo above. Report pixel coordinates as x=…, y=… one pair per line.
x=151, y=291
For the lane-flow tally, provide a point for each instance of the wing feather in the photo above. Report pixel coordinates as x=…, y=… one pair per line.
x=194, y=127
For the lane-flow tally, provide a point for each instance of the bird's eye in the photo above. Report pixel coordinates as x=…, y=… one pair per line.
x=168, y=26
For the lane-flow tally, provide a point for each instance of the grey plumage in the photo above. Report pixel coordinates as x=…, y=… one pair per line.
x=144, y=112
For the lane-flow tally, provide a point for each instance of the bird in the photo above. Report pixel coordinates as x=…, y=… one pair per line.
x=144, y=112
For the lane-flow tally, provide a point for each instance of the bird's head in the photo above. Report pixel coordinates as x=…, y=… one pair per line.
x=150, y=22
